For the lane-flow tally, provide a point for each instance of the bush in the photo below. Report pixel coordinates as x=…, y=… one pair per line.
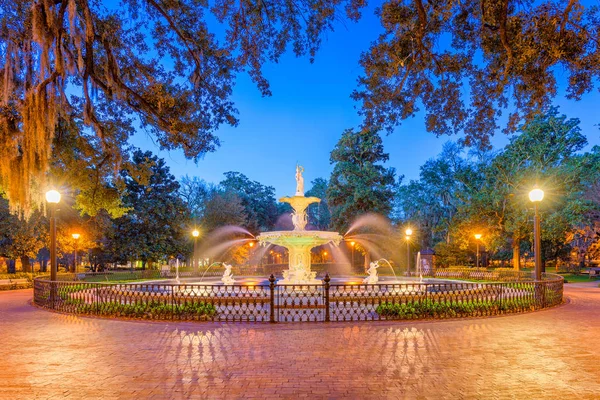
x=150, y=310
x=449, y=308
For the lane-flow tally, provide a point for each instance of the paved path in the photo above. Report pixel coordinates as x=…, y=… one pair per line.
x=548, y=354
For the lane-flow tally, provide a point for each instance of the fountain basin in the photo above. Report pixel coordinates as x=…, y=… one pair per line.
x=299, y=244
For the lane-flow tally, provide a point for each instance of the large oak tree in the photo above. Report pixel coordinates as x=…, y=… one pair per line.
x=166, y=66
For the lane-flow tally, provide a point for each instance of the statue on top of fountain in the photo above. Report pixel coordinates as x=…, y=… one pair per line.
x=373, y=278
x=299, y=180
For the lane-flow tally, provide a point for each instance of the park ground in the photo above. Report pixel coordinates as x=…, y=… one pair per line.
x=552, y=354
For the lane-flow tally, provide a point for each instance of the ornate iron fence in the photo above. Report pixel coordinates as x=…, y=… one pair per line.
x=299, y=303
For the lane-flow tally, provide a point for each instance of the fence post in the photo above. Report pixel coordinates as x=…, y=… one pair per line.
x=53, y=294
x=272, y=290
x=172, y=302
x=326, y=287
x=96, y=296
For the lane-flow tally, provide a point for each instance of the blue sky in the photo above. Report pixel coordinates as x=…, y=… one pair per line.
x=308, y=111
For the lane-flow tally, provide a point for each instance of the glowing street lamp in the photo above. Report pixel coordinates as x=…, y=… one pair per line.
x=408, y=233
x=75, y=236
x=477, y=237
x=324, y=256
x=195, y=234
x=53, y=197
x=537, y=195
x=353, y=244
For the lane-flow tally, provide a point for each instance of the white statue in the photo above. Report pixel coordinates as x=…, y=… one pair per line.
x=372, y=271
x=299, y=221
x=299, y=181
x=227, y=278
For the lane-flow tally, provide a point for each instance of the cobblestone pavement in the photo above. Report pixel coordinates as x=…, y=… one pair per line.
x=547, y=354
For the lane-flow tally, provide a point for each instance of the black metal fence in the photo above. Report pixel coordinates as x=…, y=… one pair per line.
x=300, y=303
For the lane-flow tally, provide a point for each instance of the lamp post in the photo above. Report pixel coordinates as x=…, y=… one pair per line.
x=408, y=233
x=76, y=237
x=477, y=237
x=325, y=257
x=195, y=234
x=352, y=243
x=537, y=195
x=53, y=197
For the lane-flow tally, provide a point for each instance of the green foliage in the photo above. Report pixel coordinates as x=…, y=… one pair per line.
x=154, y=228
x=258, y=200
x=319, y=215
x=195, y=193
x=359, y=184
x=222, y=209
x=21, y=238
x=487, y=193
x=496, y=55
x=153, y=309
x=427, y=308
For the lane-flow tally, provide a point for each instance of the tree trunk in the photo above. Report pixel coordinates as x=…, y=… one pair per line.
x=25, y=264
x=11, y=266
x=516, y=254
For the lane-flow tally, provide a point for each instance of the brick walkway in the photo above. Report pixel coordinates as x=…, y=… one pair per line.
x=548, y=354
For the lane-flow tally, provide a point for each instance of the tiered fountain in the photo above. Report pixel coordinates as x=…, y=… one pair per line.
x=299, y=242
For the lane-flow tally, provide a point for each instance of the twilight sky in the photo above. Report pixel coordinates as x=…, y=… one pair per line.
x=308, y=111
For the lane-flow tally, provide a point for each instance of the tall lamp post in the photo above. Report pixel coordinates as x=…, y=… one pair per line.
x=195, y=234
x=408, y=233
x=537, y=195
x=75, y=236
x=477, y=237
x=353, y=243
x=53, y=197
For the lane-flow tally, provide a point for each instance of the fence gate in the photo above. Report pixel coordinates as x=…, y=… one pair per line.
x=299, y=303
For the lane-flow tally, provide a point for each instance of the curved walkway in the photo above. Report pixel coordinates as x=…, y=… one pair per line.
x=547, y=354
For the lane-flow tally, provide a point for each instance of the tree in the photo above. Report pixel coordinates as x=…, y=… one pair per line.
x=546, y=154
x=258, y=201
x=223, y=209
x=318, y=213
x=432, y=203
x=195, y=193
x=465, y=62
x=156, y=63
x=154, y=227
x=21, y=238
x=358, y=183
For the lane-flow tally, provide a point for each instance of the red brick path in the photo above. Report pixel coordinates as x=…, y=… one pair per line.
x=547, y=354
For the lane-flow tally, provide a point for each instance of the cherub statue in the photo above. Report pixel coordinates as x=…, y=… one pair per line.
x=227, y=277
x=372, y=271
x=299, y=181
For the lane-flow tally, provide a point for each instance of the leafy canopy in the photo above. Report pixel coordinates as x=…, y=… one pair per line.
x=111, y=67
x=465, y=62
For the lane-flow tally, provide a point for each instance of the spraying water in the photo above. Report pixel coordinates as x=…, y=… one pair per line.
x=389, y=265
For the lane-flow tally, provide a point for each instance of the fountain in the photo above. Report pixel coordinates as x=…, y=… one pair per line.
x=299, y=241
